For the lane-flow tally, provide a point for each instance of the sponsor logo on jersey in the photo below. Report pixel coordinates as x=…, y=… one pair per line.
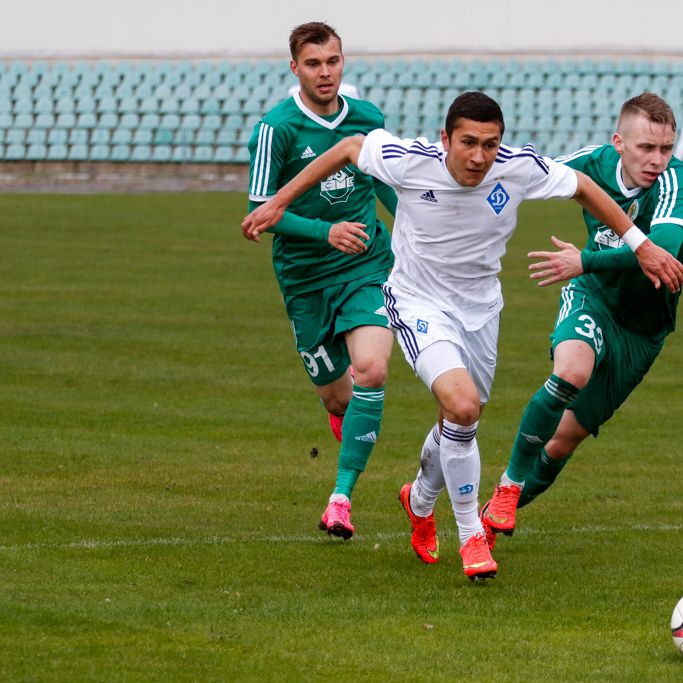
x=370, y=437
x=422, y=326
x=338, y=187
x=308, y=153
x=429, y=196
x=498, y=198
x=465, y=489
x=608, y=238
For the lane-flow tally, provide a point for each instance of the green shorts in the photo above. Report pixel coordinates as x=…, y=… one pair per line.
x=320, y=319
x=622, y=357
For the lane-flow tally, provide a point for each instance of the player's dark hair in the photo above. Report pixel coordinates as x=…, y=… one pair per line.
x=316, y=32
x=475, y=106
x=650, y=105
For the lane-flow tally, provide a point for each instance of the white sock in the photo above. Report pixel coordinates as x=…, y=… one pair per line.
x=462, y=470
x=429, y=481
x=506, y=481
x=338, y=497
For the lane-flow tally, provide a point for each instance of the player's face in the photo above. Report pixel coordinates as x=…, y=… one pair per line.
x=645, y=148
x=319, y=70
x=471, y=150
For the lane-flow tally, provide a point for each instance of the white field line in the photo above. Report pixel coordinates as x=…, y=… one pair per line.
x=97, y=544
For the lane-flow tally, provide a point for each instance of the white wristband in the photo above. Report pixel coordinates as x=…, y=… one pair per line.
x=634, y=237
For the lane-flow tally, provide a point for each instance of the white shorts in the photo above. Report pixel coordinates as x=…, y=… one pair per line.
x=434, y=342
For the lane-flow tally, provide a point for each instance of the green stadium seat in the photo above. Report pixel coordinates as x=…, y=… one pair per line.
x=163, y=136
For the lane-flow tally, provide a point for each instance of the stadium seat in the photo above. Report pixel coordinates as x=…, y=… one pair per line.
x=100, y=136
x=57, y=152
x=78, y=152
x=223, y=154
x=86, y=120
x=120, y=152
x=36, y=136
x=142, y=136
x=99, y=153
x=182, y=153
x=205, y=137
x=161, y=153
x=15, y=152
x=44, y=121
x=141, y=153
x=121, y=136
x=15, y=136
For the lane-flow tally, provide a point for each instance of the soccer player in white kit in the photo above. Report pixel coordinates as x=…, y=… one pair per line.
x=457, y=208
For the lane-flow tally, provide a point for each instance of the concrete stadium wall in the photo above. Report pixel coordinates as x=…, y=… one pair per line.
x=229, y=28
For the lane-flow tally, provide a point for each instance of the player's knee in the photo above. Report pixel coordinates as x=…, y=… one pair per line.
x=373, y=375
x=335, y=404
x=461, y=410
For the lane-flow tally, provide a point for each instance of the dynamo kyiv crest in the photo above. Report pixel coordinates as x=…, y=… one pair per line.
x=498, y=198
x=338, y=187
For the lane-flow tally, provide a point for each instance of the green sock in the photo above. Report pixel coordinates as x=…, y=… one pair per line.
x=539, y=422
x=360, y=430
x=542, y=475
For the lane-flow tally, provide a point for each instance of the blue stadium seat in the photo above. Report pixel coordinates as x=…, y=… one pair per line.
x=15, y=136
x=210, y=106
x=223, y=154
x=15, y=152
x=129, y=120
x=78, y=136
x=86, y=105
x=161, y=153
x=78, y=152
x=107, y=105
x=57, y=152
x=36, y=136
x=149, y=121
x=121, y=136
x=44, y=121
x=108, y=120
x=205, y=137
x=190, y=122
x=86, y=120
x=100, y=153
x=141, y=153
x=57, y=136
x=142, y=136
x=100, y=136
x=170, y=121
x=120, y=153
x=44, y=105
x=163, y=136
x=182, y=153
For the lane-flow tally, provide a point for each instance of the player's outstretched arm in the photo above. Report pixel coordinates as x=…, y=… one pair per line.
x=556, y=266
x=657, y=263
x=345, y=152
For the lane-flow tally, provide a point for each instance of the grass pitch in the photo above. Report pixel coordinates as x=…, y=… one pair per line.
x=159, y=499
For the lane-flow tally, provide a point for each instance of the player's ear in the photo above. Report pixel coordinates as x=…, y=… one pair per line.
x=294, y=68
x=618, y=143
x=444, y=139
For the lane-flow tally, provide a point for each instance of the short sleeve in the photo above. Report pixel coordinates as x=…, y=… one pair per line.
x=266, y=156
x=384, y=157
x=548, y=180
x=669, y=208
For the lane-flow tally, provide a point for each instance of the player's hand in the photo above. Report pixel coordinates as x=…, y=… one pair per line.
x=348, y=237
x=556, y=266
x=660, y=266
x=262, y=218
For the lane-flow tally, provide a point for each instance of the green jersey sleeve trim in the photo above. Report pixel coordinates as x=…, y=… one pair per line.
x=292, y=225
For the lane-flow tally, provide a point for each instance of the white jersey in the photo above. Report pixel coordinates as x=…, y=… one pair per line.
x=448, y=239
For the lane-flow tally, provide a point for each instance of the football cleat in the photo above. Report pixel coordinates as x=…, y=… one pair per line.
x=336, y=425
x=477, y=562
x=499, y=514
x=424, y=540
x=488, y=531
x=336, y=519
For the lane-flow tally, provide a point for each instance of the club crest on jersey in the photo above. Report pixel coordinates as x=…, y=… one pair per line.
x=498, y=198
x=608, y=238
x=633, y=210
x=338, y=187
x=422, y=326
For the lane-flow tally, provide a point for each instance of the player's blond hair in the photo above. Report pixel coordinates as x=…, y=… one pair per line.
x=316, y=32
x=652, y=106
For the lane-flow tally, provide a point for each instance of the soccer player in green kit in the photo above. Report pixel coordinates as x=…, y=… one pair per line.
x=331, y=287
x=612, y=321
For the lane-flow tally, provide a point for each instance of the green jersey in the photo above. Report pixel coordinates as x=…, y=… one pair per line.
x=617, y=280
x=282, y=144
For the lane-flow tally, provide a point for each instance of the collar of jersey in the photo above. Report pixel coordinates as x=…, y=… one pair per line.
x=319, y=119
x=624, y=190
